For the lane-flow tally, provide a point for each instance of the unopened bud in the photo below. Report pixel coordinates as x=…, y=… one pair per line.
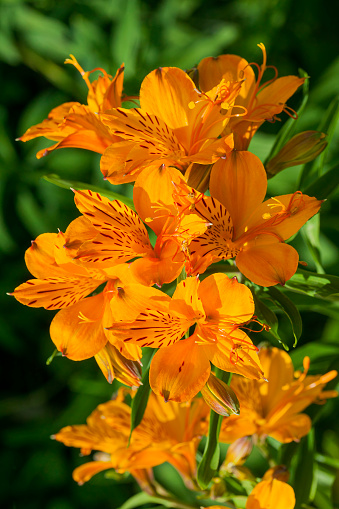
x=300, y=149
x=220, y=397
x=114, y=365
x=238, y=452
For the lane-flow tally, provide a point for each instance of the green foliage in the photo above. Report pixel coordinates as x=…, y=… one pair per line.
x=35, y=38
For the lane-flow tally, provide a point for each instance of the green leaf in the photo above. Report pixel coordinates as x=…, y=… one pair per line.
x=266, y=315
x=310, y=233
x=140, y=400
x=324, y=185
x=288, y=129
x=143, y=498
x=284, y=303
x=303, y=470
x=211, y=455
x=323, y=286
x=68, y=184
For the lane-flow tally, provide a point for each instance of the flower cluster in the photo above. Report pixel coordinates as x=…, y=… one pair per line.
x=199, y=207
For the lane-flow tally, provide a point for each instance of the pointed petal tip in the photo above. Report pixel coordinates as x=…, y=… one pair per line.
x=10, y=293
x=52, y=437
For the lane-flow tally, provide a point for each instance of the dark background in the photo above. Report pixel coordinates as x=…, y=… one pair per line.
x=35, y=38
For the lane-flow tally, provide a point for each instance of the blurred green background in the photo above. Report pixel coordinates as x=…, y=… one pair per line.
x=35, y=38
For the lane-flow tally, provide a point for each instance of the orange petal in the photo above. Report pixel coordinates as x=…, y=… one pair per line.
x=290, y=429
x=271, y=495
x=85, y=472
x=40, y=257
x=153, y=194
x=78, y=332
x=166, y=93
x=144, y=129
x=268, y=265
x=278, y=369
x=158, y=270
x=239, y=183
x=178, y=372
x=235, y=427
x=271, y=99
x=231, y=68
x=284, y=215
x=122, y=162
x=234, y=352
x=49, y=128
x=153, y=327
x=225, y=299
x=54, y=293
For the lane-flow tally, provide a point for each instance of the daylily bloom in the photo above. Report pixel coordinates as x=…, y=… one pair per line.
x=77, y=125
x=245, y=227
x=260, y=101
x=218, y=307
x=175, y=125
x=274, y=408
x=119, y=236
x=168, y=432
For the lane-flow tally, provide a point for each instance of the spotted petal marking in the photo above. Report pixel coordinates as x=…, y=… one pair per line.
x=106, y=215
x=113, y=247
x=54, y=293
x=154, y=328
x=148, y=131
x=216, y=243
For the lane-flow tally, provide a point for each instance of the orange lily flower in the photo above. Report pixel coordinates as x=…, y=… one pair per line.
x=175, y=125
x=218, y=307
x=274, y=408
x=245, y=227
x=77, y=125
x=79, y=329
x=121, y=236
x=260, y=101
x=168, y=432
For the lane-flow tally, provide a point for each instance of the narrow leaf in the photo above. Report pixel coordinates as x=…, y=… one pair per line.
x=67, y=184
x=323, y=286
x=288, y=129
x=310, y=233
x=266, y=315
x=284, y=303
x=324, y=185
x=211, y=455
x=303, y=470
x=140, y=400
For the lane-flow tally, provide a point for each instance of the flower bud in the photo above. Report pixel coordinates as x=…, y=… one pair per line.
x=114, y=365
x=300, y=149
x=220, y=397
x=238, y=452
